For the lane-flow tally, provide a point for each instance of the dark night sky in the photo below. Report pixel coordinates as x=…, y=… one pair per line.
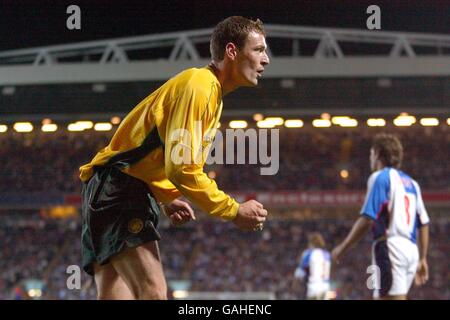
x=34, y=23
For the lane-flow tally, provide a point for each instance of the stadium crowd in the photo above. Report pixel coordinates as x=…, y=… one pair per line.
x=310, y=159
x=212, y=255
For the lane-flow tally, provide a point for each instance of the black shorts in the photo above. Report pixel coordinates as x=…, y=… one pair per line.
x=382, y=260
x=119, y=212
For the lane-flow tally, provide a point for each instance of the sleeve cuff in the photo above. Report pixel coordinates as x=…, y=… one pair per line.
x=231, y=214
x=368, y=216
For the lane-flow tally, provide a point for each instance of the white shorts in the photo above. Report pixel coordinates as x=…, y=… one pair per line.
x=397, y=259
x=317, y=291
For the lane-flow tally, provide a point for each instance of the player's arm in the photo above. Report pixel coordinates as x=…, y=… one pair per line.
x=422, y=268
x=299, y=273
x=164, y=190
x=299, y=276
x=424, y=220
x=376, y=197
x=178, y=211
x=359, y=229
x=423, y=241
x=184, y=161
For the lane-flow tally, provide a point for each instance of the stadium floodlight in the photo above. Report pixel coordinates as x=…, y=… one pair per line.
x=339, y=119
x=264, y=124
x=344, y=174
x=75, y=127
x=238, y=124
x=376, y=122
x=258, y=117
x=293, y=123
x=349, y=123
x=49, y=127
x=35, y=293
x=115, y=120
x=103, y=126
x=85, y=124
x=99, y=87
x=23, y=127
x=3, y=128
x=180, y=294
x=429, y=122
x=287, y=83
x=8, y=91
x=321, y=123
x=277, y=121
x=80, y=125
x=325, y=115
x=448, y=121
x=344, y=121
x=404, y=120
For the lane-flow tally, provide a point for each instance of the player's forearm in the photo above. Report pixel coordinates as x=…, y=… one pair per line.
x=359, y=229
x=195, y=185
x=423, y=241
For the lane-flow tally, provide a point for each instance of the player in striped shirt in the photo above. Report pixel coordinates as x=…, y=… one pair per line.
x=314, y=268
x=395, y=210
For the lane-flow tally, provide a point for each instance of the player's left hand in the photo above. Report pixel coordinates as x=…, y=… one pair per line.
x=179, y=212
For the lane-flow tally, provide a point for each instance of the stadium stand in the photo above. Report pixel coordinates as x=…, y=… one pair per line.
x=311, y=160
x=208, y=254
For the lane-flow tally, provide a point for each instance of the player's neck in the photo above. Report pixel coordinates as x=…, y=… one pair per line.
x=379, y=165
x=223, y=74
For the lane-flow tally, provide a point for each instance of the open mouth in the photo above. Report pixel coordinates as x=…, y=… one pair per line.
x=260, y=72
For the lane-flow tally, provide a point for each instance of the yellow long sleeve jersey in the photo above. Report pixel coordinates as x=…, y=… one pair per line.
x=164, y=141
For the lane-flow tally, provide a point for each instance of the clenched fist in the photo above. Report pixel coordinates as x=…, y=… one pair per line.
x=251, y=216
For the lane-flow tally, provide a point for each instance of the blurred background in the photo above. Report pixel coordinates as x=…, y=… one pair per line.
x=331, y=86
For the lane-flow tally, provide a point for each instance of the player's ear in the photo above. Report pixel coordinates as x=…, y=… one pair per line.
x=376, y=153
x=373, y=153
x=231, y=50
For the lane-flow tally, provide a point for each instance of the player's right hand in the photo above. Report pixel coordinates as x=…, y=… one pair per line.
x=250, y=216
x=178, y=212
x=336, y=254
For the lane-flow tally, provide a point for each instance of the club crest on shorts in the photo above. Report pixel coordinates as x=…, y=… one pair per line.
x=135, y=225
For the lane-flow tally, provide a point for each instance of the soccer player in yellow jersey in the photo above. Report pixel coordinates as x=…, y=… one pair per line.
x=153, y=159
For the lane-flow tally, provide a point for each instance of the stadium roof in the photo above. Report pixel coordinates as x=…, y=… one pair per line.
x=295, y=52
